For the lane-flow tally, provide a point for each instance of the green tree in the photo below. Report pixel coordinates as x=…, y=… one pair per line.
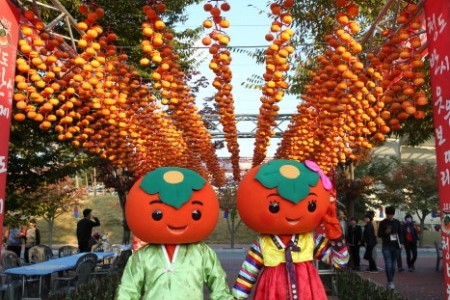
x=412, y=186
x=227, y=199
x=352, y=191
x=121, y=181
x=35, y=160
x=126, y=17
x=50, y=201
x=313, y=21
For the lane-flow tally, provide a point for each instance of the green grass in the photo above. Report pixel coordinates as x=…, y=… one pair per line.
x=107, y=209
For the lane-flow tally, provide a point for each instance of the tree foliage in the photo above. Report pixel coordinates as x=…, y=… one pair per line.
x=50, y=201
x=353, y=189
x=126, y=17
x=412, y=186
x=121, y=181
x=36, y=160
x=356, y=182
x=415, y=132
x=227, y=200
x=313, y=20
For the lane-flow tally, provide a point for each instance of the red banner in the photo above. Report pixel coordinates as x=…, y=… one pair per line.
x=438, y=36
x=9, y=33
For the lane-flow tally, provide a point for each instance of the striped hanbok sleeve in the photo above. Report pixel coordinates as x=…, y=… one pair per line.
x=249, y=272
x=333, y=253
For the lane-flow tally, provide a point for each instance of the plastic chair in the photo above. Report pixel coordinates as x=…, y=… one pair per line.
x=117, y=265
x=10, y=282
x=4, y=287
x=39, y=253
x=83, y=269
x=8, y=287
x=102, y=247
x=10, y=260
x=67, y=251
x=123, y=259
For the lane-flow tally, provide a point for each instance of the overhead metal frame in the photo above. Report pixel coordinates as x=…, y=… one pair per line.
x=215, y=127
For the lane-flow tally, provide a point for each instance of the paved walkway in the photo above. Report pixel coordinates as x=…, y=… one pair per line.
x=423, y=284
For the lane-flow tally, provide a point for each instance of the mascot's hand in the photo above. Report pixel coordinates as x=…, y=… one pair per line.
x=330, y=221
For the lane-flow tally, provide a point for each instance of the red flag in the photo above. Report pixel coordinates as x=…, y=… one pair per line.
x=438, y=36
x=9, y=34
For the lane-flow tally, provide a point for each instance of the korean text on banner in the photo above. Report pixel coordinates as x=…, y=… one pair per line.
x=9, y=32
x=438, y=36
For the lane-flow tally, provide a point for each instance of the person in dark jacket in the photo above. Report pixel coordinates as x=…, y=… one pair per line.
x=84, y=229
x=354, y=240
x=369, y=240
x=410, y=238
x=390, y=232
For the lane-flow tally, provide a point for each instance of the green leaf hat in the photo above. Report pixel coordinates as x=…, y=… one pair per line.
x=174, y=185
x=291, y=178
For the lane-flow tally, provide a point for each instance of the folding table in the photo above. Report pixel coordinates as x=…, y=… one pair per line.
x=48, y=267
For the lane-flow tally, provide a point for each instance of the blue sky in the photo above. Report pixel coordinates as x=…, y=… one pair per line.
x=248, y=28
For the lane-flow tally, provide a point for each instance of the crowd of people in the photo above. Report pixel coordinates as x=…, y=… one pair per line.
x=394, y=236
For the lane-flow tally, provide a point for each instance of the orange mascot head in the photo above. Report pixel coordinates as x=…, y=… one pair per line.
x=284, y=197
x=172, y=205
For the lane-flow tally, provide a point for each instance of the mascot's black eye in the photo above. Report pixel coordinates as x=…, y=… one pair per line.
x=274, y=207
x=157, y=215
x=196, y=215
x=312, y=206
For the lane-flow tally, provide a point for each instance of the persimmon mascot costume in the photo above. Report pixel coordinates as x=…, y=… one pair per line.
x=286, y=201
x=173, y=210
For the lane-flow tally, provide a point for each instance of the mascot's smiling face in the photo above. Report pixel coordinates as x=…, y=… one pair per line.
x=284, y=197
x=172, y=206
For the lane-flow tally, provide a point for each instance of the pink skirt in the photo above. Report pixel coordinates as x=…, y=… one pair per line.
x=273, y=284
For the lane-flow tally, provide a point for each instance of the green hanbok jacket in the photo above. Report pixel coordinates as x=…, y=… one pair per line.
x=149, y=274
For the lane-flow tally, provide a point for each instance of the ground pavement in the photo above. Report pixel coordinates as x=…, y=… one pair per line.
x=425, y=283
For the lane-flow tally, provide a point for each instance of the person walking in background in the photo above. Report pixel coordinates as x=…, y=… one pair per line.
x=390, y=232
x=369, y=240
x=33, y=237
x=84, y=229
x=342, y=220
x=354, y=240
x=410, y=238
